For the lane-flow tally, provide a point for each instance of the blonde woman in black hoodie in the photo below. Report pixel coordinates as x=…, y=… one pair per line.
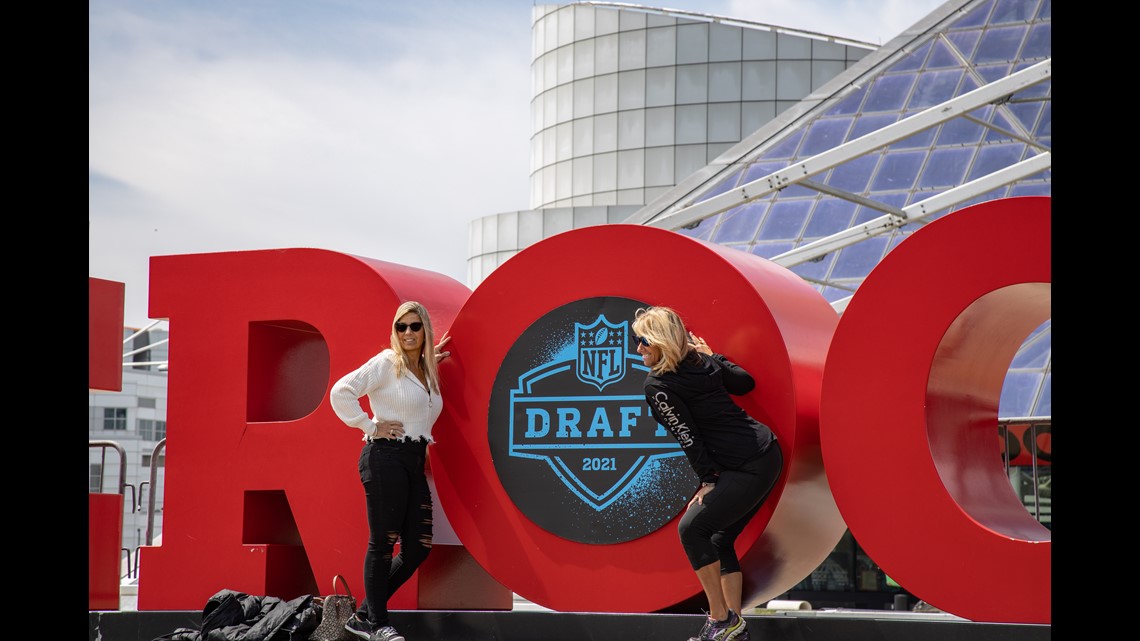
x=736, y=457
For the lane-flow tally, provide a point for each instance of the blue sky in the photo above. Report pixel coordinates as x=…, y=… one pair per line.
x=236, y=125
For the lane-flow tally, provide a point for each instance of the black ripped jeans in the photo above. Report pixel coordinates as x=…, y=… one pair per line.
x=709, y=530
x=399, y=506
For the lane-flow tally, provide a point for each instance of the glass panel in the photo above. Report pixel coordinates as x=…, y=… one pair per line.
x=605, y=93
x=824, y=134
x=661, y=47
x=692, y=84
x=606, y=54
x=1018, y=392
x=692, y=43
x=659, y=127
x=660, y=87
x=831, y=215
x=759, y=45
x=1045, y=399
x=584, y=59
x=1000, y=44
x=785, y=219
x=945, y=167
x=770, y=250
x=605, y=133
x=631, y=89
x=823, y=71
x=564, y=174
x=724, y=43
x=1007, y=11
x=791, y=46
x=912, y=60
x=530, y=227
x=920, y=140
x=631, y=20
x=994, y=157
x=548, y=147
x=631, y=170
x=943, y=57
x=856, y=261
x=564, y=138
x=888, y=93
x=959, y=131
x=738, y=225
x=631, y=129
x=965, y=42
x=508, y=231
x=849, y=104
x=754, y=115
x=814, y=269
x=758, y=80
x=934, y=88
x=565, y=17
x=724, y=82
x=605, y=172
x=691, y=124
x=659, y=166
x=584, y=137
x=564, y=95
x=584, y=98
x=793, y=79
x=583, y=22
x=549, y=108
x=854, y=174
x=565, y=57
x=724, y=122
x=1033, y=354
x=606, y=21
x=978, y=16
x=632, y=50
x=689, y=159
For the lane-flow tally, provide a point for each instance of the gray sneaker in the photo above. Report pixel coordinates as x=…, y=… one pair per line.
x=726, y=630
x=386, y=633
x=358, y=627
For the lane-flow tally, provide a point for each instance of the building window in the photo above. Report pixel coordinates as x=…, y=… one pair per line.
x=114, y=418
x=147, y=403
x=95, y=483
x=151, y=430
x=146, y=458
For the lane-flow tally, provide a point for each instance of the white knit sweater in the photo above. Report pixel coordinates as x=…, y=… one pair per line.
x=404, y=399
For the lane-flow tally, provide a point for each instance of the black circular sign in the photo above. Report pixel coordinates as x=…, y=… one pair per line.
x=571, y=436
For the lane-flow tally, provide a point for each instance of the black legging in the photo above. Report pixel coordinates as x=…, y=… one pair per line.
x=399, y=505
x=709, y=530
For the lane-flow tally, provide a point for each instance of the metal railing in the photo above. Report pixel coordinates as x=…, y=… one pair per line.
x=1036, y=425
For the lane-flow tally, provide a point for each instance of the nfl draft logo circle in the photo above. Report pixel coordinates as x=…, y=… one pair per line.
x=571, y=436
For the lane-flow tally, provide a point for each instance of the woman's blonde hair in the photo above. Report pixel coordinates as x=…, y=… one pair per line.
x=665, y=330
x=427, y=354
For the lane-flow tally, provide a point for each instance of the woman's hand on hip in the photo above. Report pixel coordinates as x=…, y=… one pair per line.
x=389, y=429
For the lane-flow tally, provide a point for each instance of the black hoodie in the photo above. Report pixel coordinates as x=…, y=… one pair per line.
x=693, y=403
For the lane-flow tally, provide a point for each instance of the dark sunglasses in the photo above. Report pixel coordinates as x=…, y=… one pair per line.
x=641, y=339
x=401, y=327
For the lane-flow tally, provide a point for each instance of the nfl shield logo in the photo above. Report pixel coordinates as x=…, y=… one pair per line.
x=601, y=352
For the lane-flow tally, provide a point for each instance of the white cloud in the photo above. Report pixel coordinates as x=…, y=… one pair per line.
x=359, y=127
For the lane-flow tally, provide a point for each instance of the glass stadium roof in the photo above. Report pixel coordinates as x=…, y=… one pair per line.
x=954, y=111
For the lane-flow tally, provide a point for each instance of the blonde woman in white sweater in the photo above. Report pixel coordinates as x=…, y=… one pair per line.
x=402, y=386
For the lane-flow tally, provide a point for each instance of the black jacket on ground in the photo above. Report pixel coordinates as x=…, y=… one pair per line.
x=693, y=403
x=236, y=616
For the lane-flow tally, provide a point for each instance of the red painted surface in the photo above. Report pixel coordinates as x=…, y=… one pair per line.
x=105, y=334
x=765, y=317
x=104, y=544
x=262, y=493
x=910, y=409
